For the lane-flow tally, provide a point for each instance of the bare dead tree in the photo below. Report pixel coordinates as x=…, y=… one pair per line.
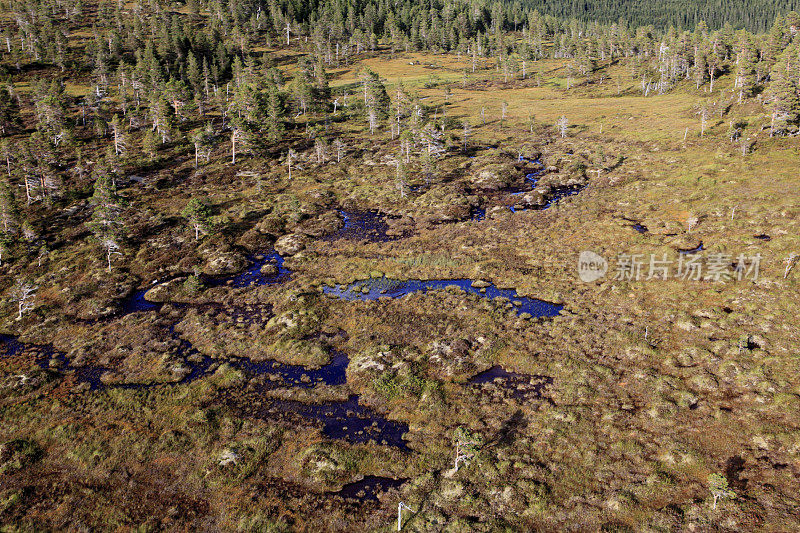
x=339, y=147
x=290, y=155
x=562, y=124
x=321, y=149
x=23, y=293
x=790, y=261
x=703, y=120
x=373, y=120
x=112, y=248
x=400, y=508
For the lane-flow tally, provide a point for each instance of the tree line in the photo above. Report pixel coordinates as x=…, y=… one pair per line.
x=753, y=15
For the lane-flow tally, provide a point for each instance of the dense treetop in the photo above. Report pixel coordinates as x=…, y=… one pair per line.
x=755, y=15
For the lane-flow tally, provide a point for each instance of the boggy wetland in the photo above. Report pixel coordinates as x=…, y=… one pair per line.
x=380, y=266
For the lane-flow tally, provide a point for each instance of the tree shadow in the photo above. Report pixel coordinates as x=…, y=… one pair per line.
x=511, y=427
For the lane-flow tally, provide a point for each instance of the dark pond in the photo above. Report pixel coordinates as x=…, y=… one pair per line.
x=136, y=302
x=363, y=225
x=253, y=275
x=531, y=180
x=367, y=489
x=520, y=386
x=47, y=358
x=556, y=195
x=11, y=346
x=477, y=214
x=347, y=420
x=559, y=193
x=333, y=373
x=341, y=420
x=375, y=288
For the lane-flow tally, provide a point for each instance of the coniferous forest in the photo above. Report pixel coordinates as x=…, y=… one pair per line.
x=756, y=16
x=399, y=266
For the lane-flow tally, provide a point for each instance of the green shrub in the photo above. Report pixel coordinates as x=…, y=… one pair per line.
x=193, y=284
x=17, y=454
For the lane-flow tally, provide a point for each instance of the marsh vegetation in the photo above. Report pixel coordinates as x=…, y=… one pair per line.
x=286, y=266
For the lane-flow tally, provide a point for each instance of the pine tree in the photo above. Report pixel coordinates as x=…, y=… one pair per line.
x=106, y=222
x=193, y=74
x=302, y=92
x=714, y=59
x=775, y=41
x=784, y=103
x=106, y=218
x=177, y=93
x=718, y=486
x=745, y=65
x=9, y=215
x=51, y=110
x=203, y=141
x=700, y=66
x=7, y=152
x=162, y=117
x=37, y=158
x=321, y=88
x=198, y=214
x=247, y=115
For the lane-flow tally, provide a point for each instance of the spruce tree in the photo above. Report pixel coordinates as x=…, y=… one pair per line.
x=375, y=96
x=274, y=114
x=106, y=205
